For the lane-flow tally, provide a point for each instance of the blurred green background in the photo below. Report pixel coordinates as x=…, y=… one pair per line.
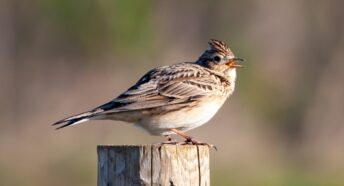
x=283, y=126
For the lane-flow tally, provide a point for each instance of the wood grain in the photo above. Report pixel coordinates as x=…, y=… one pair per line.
x=186, y=165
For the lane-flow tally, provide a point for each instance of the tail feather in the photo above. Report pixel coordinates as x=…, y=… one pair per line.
x=73, y=120
x=86, y=116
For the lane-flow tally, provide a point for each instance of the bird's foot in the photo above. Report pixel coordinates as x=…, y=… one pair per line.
x=190, y=141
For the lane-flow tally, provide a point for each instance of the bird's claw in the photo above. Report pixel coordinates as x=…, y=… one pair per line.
x=191, y=141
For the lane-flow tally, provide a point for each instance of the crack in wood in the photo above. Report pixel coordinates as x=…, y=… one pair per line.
x=152, y=171
x=171, y=183
x=199, y=167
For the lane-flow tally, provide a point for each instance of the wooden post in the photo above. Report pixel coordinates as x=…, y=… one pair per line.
x=171, y=165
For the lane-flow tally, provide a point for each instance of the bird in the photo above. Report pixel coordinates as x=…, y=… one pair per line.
x=173, y=99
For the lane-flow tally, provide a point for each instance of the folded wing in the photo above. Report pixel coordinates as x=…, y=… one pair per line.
x=177, y=84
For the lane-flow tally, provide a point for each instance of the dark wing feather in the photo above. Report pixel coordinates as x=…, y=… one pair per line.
x=164, y=86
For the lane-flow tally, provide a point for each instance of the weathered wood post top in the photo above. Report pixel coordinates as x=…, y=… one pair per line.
x=171, y=165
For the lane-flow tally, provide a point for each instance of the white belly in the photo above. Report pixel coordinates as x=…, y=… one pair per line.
x=184, y=119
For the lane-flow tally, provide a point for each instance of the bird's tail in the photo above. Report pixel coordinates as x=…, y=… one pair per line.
x=76, y=119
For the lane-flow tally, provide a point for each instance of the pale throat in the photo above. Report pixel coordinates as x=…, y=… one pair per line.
x=231, y=75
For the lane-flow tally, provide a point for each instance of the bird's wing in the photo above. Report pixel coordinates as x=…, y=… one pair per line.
x=179, y=85
x=162, y=86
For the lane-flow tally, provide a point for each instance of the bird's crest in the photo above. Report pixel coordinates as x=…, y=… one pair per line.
x=219, y=47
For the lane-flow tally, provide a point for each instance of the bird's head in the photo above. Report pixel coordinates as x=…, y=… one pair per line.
x=219, y=57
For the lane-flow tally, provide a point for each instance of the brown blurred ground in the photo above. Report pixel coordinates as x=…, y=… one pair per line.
x=283, y=126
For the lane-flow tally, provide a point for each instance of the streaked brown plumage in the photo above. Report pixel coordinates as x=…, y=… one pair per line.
x=173, y=99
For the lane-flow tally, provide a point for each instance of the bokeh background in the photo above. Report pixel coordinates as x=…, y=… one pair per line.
x=283, y=125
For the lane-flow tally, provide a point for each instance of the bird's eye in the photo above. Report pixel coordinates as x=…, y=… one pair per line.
x=217, y=58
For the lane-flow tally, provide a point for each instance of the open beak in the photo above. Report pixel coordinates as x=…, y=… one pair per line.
x=232, y=63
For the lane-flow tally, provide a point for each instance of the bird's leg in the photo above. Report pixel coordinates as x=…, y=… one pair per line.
x=182, y=134
x=190, y=140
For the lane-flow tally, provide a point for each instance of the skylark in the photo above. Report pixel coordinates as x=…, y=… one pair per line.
x=173, y=99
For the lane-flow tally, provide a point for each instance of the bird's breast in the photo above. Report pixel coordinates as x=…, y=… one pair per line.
x=183, y=119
